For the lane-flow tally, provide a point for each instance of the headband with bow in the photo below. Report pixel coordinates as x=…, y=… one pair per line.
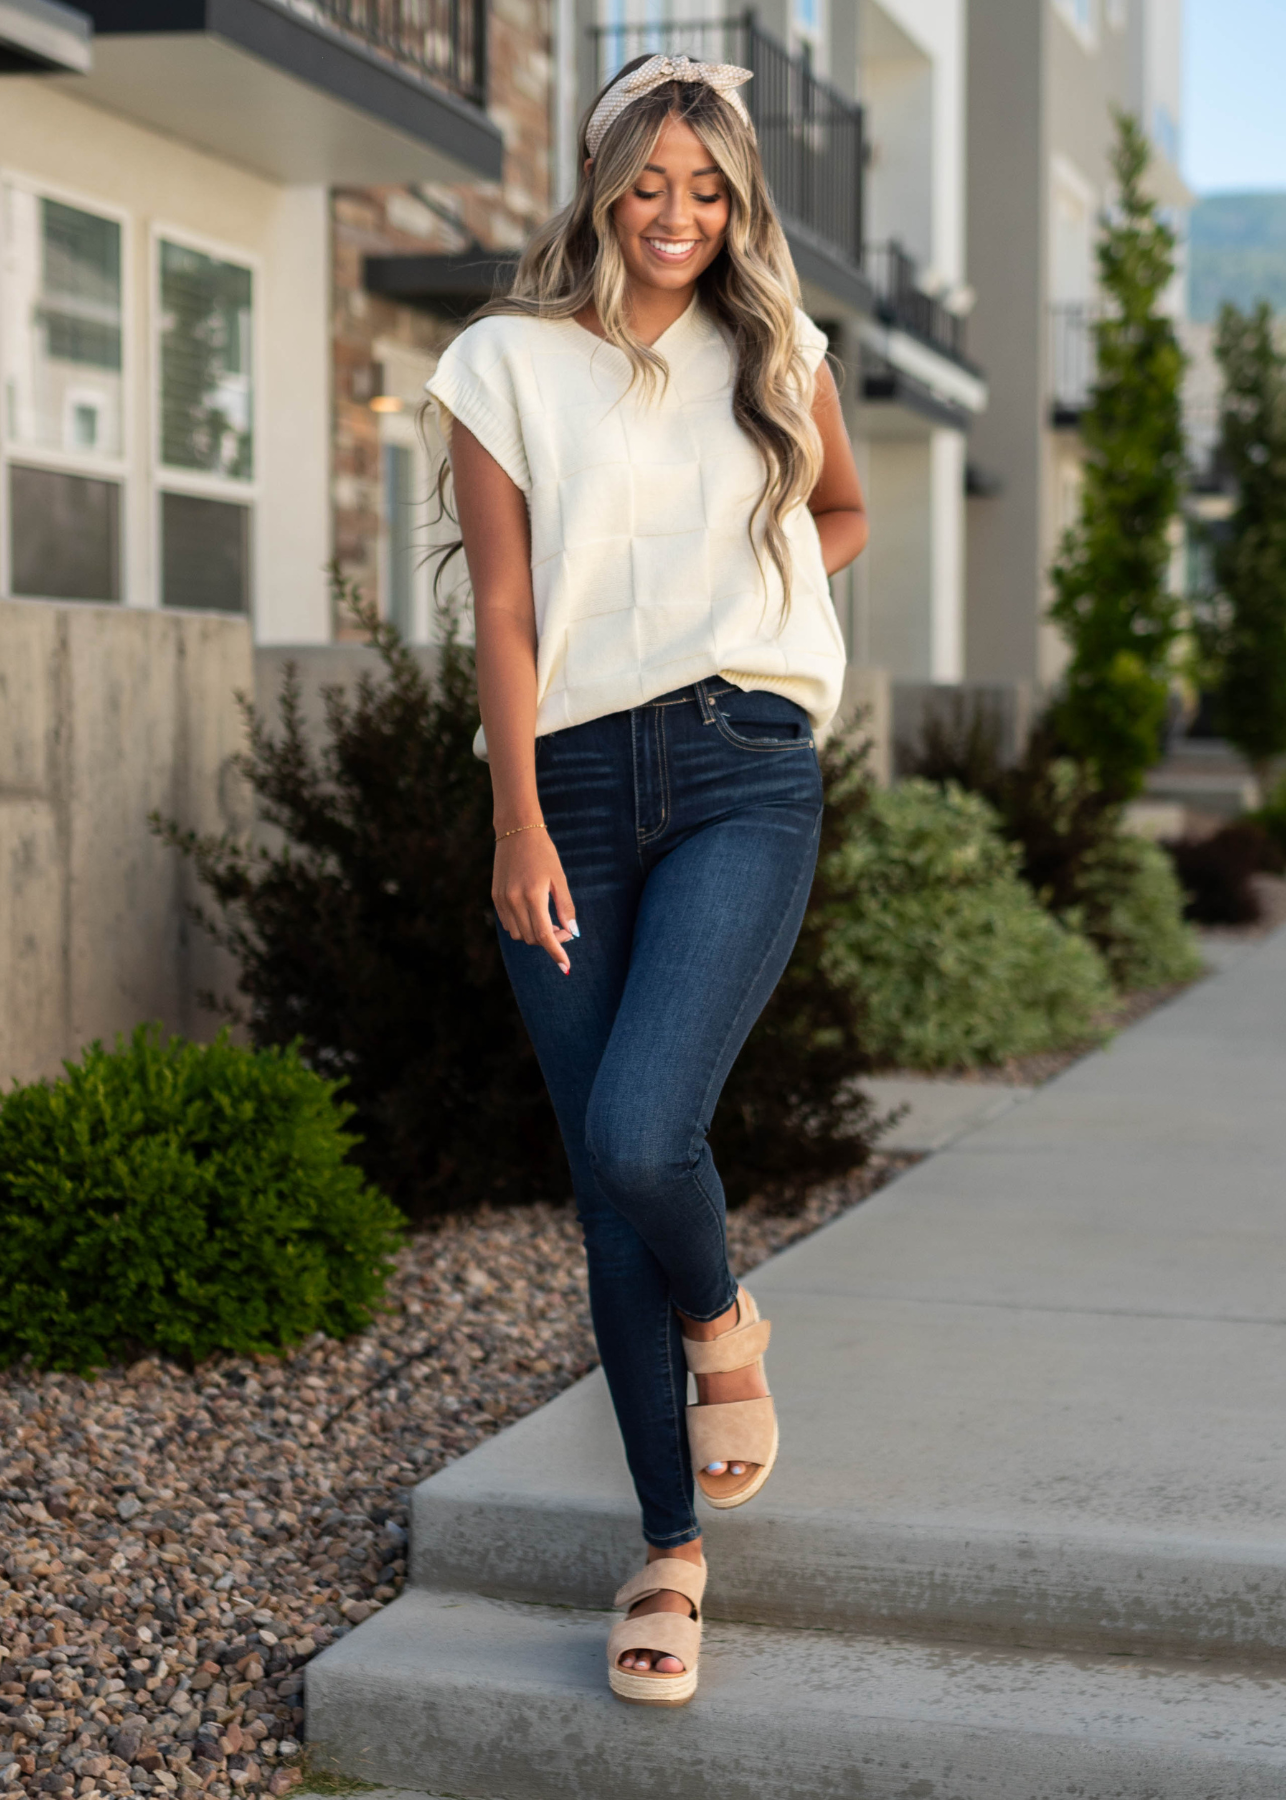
x=724, y=78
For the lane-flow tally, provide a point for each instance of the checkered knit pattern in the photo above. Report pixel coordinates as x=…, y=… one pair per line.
x=644, y=575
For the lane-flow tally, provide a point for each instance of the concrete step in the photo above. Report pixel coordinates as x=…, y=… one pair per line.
x=1032, y=1526
x=453, y=1694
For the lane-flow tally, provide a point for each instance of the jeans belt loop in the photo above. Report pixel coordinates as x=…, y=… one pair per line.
x=702, y=689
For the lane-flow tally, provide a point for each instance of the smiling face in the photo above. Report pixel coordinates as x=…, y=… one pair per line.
x=671, y=222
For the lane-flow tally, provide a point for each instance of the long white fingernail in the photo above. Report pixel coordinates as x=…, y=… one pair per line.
x=573, y=927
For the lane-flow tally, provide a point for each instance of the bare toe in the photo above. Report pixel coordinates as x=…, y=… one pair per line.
x=669, y=1665
x=715, y=1468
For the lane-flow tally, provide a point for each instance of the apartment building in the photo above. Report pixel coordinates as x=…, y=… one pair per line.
x=1043, y=79
x=165, y=318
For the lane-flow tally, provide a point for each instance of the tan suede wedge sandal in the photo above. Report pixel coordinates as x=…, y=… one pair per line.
x=663, y=1634
x=735, y=1430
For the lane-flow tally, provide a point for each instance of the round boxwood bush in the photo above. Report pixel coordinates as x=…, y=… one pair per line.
x=183, y=1198
x=955, y=961
x=1130, y=905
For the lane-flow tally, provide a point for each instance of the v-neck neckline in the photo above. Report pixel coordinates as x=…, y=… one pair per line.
x=685, y=317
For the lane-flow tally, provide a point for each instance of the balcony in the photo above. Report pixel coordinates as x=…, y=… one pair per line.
x=901, y=301
x=810, y=138
x=1073, y=360
x=915, y=372
x=323, y=92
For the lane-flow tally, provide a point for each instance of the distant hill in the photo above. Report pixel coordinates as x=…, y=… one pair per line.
x=1238, y=253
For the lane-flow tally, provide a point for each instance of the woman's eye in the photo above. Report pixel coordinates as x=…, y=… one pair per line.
x=707, y=199
x=647, y=193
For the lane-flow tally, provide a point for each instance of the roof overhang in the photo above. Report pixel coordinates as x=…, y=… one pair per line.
x=453, y=285
x=38, y=37
x=254, y=82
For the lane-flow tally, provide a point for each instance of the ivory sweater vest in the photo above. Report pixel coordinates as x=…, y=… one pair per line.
x=643, y=570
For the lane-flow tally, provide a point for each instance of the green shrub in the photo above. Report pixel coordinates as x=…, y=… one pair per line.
x=366, y=932
x=1131, y=905
x=952, y=958
x=1074, y=855
x=182, y=1198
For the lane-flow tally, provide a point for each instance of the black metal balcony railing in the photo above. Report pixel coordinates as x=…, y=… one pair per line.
x=1073, y=358
x=810, y=134
x=902, y=301
x=442, y=41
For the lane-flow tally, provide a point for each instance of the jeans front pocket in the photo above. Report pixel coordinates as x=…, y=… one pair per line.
x=760, y=720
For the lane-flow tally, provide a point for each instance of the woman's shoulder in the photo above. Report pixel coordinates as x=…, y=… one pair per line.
x=498, y=336
x=811, y=339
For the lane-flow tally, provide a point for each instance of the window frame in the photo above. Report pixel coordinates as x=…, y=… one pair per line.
x=91, y=465
x=204, y=484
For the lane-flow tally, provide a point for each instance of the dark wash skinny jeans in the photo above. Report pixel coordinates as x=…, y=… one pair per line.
x=688, y=833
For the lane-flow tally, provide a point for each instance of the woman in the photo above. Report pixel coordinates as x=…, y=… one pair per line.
x=653, y=483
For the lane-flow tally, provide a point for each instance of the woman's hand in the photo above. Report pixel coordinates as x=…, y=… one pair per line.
x=527, y=873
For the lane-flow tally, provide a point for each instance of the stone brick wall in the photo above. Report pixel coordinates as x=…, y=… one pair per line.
x=435, y=220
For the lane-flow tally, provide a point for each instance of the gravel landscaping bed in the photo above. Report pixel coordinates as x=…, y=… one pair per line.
x=175, y=1545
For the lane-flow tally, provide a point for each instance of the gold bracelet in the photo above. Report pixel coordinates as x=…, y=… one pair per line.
x=538, y=826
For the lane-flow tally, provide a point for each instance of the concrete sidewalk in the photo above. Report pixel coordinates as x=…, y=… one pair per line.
x=1033, y=1406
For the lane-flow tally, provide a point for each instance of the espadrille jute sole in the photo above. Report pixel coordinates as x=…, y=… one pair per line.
x=653, y=1690
x=661, y=1634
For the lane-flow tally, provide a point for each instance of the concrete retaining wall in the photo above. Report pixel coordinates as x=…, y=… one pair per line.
x=106, y=713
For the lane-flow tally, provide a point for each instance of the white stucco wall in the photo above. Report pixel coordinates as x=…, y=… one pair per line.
x=96, y=159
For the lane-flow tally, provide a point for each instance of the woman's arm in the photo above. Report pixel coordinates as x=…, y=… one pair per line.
x=497, y=545
x=836, y=503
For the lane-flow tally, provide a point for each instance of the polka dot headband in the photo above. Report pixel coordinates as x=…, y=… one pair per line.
x=724, y=78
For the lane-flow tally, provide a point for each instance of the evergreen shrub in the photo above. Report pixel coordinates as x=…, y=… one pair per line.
x=1111, y=590
x=182, y=1198
x=1118, y=891
x=1241, y=627
x=952, y=958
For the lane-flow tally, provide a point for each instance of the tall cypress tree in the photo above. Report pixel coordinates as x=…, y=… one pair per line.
x=1245, y=632
x=1110, y=581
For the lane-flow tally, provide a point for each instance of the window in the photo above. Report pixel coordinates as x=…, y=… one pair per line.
x=207, y=389
x=62, y=326
x=205, y=427
x=205, y=553
x=64, y=535
x=62, y=351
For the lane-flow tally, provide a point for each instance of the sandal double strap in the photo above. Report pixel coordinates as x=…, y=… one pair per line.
x=660, y=1634
x=743, y=1431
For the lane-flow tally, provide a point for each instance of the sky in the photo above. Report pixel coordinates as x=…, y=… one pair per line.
x=1234, y=104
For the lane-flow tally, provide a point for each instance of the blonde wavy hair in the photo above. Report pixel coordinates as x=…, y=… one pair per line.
x=750, y=288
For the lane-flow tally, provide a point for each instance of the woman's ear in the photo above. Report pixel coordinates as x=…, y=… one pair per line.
x=588, y=164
